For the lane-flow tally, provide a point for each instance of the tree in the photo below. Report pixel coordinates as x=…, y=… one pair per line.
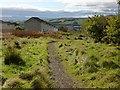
x=103, y=28
x=118, y=2
x=112, y=30
x=95, y=25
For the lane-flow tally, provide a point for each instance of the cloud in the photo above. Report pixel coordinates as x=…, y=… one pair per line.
x=92, y=5
x=84, y=1
x=66, y=5
x=17, y=1
x=42, y=5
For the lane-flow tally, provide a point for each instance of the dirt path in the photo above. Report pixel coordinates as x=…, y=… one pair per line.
x=61, y=78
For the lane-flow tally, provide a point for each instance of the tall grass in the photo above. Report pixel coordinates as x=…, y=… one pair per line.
x=97, y=64
x=26, y=67
x=13, y=57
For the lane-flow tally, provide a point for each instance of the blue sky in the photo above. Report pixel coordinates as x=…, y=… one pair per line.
x=60, y=5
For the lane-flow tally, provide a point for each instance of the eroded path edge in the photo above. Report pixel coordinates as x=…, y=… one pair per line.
x=62, y=80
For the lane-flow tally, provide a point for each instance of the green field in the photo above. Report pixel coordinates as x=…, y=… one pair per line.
x=66, y=21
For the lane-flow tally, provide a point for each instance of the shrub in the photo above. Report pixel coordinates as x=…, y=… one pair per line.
x=12, y=57
x=103, y=28
x=112, y=31
x=95, y=26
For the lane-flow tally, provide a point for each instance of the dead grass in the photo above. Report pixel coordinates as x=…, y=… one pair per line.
x=34, y=34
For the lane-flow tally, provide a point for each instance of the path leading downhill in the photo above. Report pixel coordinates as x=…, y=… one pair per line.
x=61, y=78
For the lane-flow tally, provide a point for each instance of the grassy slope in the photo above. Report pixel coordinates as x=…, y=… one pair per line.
x=93, y=64
x=65, y=21
x=35, y=72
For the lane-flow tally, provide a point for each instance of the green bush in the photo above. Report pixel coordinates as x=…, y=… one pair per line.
x=95, y=25
x=112, y=31
x=13, y=57
x=103, y=28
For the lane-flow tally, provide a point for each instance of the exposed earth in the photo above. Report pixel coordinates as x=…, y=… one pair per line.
x=62, y=79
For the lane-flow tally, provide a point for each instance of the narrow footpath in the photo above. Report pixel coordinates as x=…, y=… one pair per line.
x=62, y=80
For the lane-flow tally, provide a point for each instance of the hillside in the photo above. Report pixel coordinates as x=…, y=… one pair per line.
x=68, y=60
x=72, y=59
x=68, y=22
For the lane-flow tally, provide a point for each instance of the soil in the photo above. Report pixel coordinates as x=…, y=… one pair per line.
x=62, y=79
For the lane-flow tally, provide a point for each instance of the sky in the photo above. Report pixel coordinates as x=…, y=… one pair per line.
x=58, y=8
x=61, y=5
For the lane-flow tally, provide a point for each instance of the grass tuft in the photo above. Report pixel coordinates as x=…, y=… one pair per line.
x=13, y=57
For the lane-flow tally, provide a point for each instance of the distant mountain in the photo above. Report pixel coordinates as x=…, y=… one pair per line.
x=23, y=14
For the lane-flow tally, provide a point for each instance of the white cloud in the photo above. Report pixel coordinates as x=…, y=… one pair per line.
x=92, y=5
x=69, y=5
x=84, y=1
x=17, y=1
x=25, y=6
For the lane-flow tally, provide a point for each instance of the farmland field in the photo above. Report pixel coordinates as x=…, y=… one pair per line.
x=48, y=60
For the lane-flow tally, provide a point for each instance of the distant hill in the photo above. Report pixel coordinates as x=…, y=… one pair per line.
x=23, y=14
x=68, y=22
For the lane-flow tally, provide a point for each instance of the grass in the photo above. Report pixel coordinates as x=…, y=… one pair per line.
x=13, y=57
x=93, y=64
x=35, y=72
